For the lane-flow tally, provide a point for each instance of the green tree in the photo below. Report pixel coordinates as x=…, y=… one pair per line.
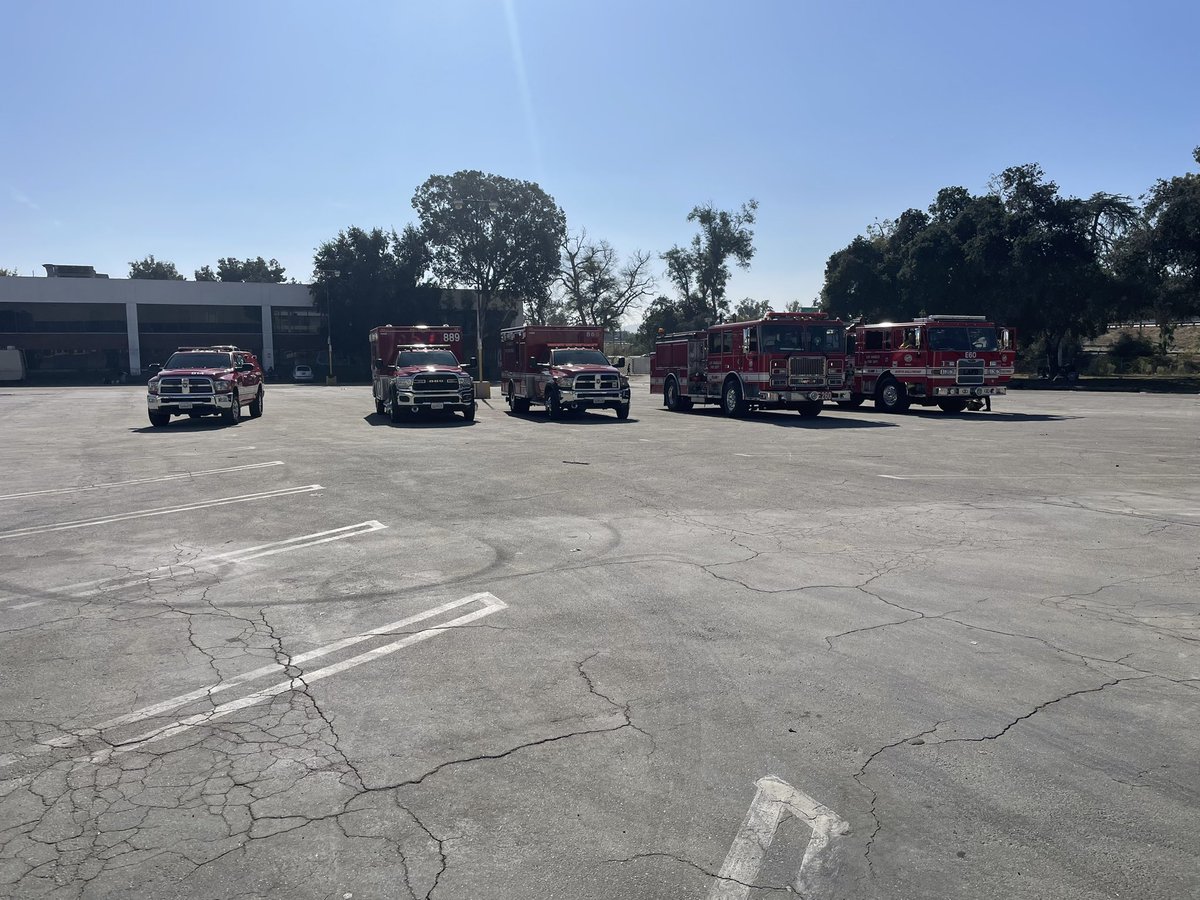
x=154, y=269
x=668, y=315
x=700, y=271
x=6, y=273
x=1159, y=260
x=749, y=309
x=256, y=270
x=597, y=288
x=497, y=236
x=367, y=278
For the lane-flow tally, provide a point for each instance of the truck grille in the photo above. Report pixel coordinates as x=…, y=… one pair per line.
x=970, y=371
x=182, y=386
x=806, y=370
x=437, y=383
x=601, y=382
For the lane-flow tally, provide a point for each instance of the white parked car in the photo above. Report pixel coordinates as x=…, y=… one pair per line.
x=302, y=373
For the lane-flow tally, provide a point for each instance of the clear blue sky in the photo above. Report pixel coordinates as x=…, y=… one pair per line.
x=200, y=130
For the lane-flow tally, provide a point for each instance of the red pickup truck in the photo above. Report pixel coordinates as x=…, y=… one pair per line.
x=206, y=381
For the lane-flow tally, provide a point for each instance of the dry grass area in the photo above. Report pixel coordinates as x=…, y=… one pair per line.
x=1187, y=337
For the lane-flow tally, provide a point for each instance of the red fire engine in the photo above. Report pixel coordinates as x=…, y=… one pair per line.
x=561, y=367
x=953, y=362
x=416, y=368
x=782, y=361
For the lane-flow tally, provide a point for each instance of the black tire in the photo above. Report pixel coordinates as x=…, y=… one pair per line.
x=160, y=420
x=810, y=409
x=554, y=408
x=956, y=405
x=855, y=401
x=256, y=405
x=380, y=409
x=671, y=394
x=891, y=396
x=395, y=411
x=732, y=403
x=233, y=415
x=623, y=411
x=469, y=412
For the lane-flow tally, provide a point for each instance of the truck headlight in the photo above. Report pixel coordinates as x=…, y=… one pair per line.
x=152, y=386
x=403, y=384
x=221, y=386
x=624, y=381
x=565, y=381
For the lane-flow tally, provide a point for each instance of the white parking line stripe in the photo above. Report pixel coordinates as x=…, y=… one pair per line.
x=173, y=477
x=27, y=605
x=157, y=709
x=104, y=585
x=162, y=511
x=493, y=604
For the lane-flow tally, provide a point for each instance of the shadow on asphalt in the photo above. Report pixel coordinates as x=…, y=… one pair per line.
x=419, y=420
x=982, y=416
x=590, y=417
x=791, y=419
x=205, y=423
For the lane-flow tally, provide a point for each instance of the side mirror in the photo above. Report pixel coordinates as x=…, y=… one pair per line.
x=378, y=363
x=155, y=368
x=619, y=362
x=472, y=362
x=1005, y=339
x=533, y=363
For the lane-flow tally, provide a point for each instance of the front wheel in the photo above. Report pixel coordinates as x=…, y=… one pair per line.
x=952, y=406
x=623, y=411
x=554, y=408
x=892, y=397
x=395, y=410
x=233, y=415
x=256, y=405
x=469, y=412
x=380, y=409
x=809, y=410
x=732, y=403
x=160, y=420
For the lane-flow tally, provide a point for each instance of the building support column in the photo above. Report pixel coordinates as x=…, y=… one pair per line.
x=135, y=347
x=268, y=336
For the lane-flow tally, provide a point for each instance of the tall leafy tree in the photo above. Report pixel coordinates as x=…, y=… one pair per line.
x=597, y=288
x=497, y=236
x=367, y=278
x=700, y=271
x=749, y=309
x=5, y=273
x=251, y=270
x=155, y=269
x=1159, y=260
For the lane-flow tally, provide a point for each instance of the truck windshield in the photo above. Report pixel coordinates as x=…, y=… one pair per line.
x=199, y=360
x=578, y=358
x=963, y=338
x=780, y=336
x=425, y=358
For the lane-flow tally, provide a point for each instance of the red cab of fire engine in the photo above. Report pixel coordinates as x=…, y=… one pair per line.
x=952, y=362
x=417, y=368
x=783, y=361
x=560, y=367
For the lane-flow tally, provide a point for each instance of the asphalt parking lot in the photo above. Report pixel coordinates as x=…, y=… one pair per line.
x=318, y=655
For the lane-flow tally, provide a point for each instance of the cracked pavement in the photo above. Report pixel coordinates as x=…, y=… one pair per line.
x=984, y=661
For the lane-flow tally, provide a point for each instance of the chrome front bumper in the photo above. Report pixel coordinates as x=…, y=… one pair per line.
x=973, y=391
x=186, y=403
x=812, y=396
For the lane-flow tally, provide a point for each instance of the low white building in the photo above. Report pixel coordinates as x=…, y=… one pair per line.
x=75, y=322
